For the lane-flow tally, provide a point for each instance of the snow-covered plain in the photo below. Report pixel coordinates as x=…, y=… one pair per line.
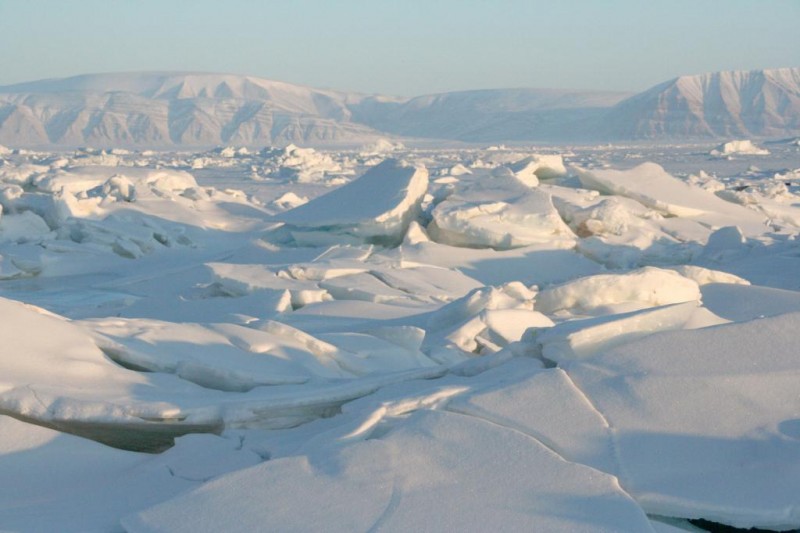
x=523, y=338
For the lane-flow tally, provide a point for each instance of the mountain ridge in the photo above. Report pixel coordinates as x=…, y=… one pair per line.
x=194, y=109
x=760, y=103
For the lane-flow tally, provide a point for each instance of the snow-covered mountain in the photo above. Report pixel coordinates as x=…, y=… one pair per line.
x=165, y=109
x=195, y=109
x=490, y=115
x=761, y=103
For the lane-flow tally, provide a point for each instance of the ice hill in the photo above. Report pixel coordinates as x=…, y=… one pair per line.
x=162, y=110
x=761, y=103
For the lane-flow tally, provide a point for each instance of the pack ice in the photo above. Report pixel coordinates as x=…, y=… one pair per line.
x=584, y=338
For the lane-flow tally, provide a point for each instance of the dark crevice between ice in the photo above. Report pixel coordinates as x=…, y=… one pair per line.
x=715, y=527
x=701, y=524
x=145, y=436
x=117, y=356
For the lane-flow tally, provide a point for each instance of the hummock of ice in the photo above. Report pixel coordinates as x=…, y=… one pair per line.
x=738, y=147
x=646, y=287
x=381, y=146
x=580, y=339
x=482, y=322
x=533, y=168
x=302, y=165
x=241, y=339
x=501, y=211
x=377, y=207
x=651, y=185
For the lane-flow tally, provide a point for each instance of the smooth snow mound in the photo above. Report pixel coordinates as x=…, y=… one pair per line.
x=645, y=287
x=704, y=276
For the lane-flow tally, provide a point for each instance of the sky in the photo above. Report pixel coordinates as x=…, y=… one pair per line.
x=404, y=48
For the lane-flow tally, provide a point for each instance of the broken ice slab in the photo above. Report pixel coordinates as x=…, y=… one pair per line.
x=435, y=471
x=580, y=339
x=375, y=208
x=703, y=420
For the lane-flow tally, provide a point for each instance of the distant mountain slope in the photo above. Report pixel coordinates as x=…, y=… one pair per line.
x=489, y=115
x=163, y=110
x=166, y=109
x=759, y=103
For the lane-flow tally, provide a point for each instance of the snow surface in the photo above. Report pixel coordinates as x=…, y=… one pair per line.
x=563, y=339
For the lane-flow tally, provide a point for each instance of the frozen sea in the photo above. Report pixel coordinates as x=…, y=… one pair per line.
x=510, y=338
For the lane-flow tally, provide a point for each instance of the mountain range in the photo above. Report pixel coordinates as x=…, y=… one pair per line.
x=162, y=110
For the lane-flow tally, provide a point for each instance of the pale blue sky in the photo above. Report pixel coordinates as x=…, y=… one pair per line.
x=406, y=47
